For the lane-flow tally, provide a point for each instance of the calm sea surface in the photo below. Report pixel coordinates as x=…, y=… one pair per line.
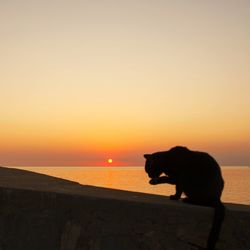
x=237, y=180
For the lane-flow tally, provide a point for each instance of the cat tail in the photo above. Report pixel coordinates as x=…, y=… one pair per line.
x=219, y=214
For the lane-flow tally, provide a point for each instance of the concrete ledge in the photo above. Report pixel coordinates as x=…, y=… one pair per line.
x=39, y=212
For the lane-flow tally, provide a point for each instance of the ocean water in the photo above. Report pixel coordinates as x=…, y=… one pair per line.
x=237, y=180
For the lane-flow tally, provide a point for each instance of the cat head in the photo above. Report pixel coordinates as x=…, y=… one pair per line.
x=151, y=167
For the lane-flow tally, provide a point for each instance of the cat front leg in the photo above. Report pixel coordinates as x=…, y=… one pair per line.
x=178, y=193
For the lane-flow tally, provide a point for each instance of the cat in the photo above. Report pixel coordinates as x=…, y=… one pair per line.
x=196, y=174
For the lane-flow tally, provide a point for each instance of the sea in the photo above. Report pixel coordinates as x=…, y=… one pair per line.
x=236, y=190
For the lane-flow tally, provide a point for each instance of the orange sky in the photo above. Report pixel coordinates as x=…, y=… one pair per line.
x=84, y=81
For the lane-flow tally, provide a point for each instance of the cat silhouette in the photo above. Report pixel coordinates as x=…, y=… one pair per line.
x=196, y=174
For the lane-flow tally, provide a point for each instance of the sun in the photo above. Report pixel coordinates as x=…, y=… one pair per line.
x=110, y=160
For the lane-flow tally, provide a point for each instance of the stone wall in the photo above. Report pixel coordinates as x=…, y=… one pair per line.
x=88, y=218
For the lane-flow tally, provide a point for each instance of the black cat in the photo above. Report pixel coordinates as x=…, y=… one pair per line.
x=196, y=174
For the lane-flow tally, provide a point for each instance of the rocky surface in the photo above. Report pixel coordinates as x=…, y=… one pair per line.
x=39, y=212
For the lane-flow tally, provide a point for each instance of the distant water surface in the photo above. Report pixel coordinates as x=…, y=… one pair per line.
x=237, y=180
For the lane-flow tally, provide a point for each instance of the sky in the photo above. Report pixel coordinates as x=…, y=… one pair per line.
x=82, y=81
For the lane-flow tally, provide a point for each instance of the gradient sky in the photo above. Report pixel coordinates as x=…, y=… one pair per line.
x=85, y=80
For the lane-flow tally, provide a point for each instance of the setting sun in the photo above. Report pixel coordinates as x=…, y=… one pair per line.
x=110, y=161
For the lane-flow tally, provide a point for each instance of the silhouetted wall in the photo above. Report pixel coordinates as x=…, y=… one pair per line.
x=102, y=219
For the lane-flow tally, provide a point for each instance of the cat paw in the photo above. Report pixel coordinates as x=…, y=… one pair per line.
x=174, y=197
x=153, y=181
x=186, y=200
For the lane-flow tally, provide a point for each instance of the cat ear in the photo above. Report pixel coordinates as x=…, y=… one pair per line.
x=147, y=156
